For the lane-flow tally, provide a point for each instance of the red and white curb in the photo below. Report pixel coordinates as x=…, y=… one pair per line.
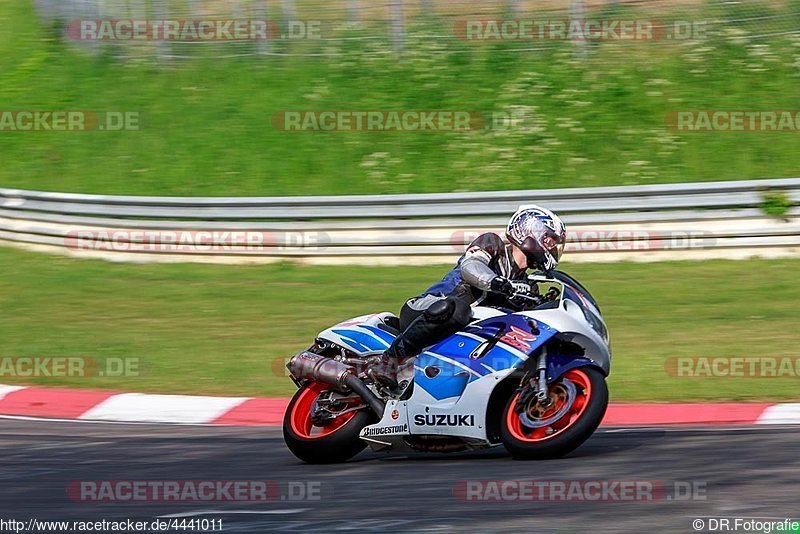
x=139, y=407
x=89, y=405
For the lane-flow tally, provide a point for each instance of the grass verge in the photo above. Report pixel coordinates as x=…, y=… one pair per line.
x=222, y=330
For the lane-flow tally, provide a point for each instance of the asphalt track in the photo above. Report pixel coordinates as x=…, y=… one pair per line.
x=747, y=472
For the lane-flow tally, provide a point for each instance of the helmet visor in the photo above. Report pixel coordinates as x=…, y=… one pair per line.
x=544, y=251
x=559, y=251
x=554, y=244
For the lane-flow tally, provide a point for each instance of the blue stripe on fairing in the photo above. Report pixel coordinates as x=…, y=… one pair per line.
x=457, y=347
x=448, y=383
x=383, y=334
x=444, y=385
x=359, y=340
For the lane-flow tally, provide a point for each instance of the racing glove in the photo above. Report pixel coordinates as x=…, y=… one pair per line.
x=502, y=285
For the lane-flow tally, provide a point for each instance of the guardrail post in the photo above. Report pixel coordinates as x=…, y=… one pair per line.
x=513, y=8
x=397, y=24
x=289, y=13
x=261, y=12
x=577, y=12
x=426, y=6
x=160, y=12
x=353, y=11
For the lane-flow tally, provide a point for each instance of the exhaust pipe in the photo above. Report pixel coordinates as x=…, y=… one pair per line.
x=310, y=366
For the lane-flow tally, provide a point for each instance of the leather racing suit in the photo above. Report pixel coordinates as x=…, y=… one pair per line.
x=470, y=281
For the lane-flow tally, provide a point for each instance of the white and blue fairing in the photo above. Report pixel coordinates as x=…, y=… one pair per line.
x=444, y=370
x=481, y=349
x=363, y=335
x=456, y=377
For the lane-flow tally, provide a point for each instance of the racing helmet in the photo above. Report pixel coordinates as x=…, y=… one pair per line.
x=540, y=234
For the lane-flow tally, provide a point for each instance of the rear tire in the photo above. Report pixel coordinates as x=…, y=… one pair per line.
x=334, y=443
x=567, y=433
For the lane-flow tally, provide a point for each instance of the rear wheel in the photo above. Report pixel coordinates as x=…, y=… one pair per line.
x=577, y=403
x=333, y=441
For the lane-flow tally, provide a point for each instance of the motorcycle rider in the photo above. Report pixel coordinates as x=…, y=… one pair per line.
x=488, y=273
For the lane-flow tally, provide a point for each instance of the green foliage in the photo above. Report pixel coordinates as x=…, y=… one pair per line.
x=776, y=203
x=206, y=122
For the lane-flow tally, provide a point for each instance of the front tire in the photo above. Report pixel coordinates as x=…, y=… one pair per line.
x=562, y=426
x=336, y=442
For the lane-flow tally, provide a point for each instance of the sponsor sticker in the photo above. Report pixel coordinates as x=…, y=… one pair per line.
x=444, y=420
x=384, y=430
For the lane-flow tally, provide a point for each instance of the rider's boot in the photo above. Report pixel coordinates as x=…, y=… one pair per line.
x=383, y=370
x=424, y=330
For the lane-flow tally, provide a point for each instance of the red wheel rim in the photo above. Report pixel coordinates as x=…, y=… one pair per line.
x=300, y=418
x=583, y=394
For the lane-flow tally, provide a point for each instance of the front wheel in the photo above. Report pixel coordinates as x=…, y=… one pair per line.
x=577, y=403
x=338, y=440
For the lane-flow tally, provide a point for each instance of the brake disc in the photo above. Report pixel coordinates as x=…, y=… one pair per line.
x=570, y=390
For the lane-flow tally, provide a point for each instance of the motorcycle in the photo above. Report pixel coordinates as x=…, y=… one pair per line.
x=532, y=379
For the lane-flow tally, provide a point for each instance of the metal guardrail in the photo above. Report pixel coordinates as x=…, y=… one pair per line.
x=670, y=221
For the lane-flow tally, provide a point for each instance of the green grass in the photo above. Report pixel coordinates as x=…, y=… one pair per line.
x=225, y=329
x=206, y=123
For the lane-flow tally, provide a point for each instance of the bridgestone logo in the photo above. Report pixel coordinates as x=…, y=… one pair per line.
x=381, y=431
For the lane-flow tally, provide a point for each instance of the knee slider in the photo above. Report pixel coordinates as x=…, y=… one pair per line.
x=440, y=311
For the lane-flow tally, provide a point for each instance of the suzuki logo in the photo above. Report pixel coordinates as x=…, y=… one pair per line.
x=444, y=420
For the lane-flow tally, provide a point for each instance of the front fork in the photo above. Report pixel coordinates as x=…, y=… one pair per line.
x=541, y=390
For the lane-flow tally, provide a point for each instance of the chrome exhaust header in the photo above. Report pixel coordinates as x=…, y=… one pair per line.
x=310, y=366
x=318, y=368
